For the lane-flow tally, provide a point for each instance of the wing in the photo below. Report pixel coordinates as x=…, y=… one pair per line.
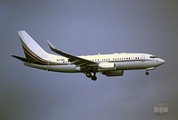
x=84, y=64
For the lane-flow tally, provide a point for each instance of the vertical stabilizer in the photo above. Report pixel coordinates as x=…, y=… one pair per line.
x=31, y=49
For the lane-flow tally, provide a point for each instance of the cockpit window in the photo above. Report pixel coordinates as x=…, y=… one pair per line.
x=153, y=56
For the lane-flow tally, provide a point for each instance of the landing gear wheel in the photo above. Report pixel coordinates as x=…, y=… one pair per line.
x=94, y=78
x=146, y=73
x=88, y=75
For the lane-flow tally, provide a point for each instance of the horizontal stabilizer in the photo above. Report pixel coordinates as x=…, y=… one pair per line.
x=23, y=59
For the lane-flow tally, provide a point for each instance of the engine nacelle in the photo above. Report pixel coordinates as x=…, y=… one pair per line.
x=113, y=73
x=105, y=66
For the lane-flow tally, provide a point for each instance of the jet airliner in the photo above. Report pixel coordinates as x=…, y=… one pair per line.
x=106, y=64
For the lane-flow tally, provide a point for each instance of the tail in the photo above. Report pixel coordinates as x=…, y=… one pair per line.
x=33, y=52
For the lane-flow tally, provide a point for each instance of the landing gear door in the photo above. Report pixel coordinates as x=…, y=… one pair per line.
x=142, y=57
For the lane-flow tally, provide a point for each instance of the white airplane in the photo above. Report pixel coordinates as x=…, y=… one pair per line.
x=107, y=64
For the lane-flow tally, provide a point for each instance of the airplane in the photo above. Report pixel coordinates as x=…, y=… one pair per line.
x=106, y=64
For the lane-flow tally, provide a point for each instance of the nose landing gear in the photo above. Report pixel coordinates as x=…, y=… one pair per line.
x=146, y=73
x=147, y=69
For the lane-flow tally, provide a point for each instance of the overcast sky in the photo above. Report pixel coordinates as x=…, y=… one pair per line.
x=84, y=27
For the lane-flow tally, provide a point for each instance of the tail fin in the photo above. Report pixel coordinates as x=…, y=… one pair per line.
x=30, y=47
x=32, y=50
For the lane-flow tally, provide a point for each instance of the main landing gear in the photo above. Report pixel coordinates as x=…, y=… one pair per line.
x=93, y=77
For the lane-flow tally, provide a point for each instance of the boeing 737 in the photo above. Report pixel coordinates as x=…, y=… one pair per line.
x=106, y=64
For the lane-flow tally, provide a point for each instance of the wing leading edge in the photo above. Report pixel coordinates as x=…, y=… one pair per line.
x=84, y=64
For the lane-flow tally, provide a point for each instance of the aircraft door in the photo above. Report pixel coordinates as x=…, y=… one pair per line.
x=142, y=57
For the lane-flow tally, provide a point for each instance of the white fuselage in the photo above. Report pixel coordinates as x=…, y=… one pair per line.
x=123, y=61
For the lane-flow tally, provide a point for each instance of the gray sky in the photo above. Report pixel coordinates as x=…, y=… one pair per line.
x=83, y=27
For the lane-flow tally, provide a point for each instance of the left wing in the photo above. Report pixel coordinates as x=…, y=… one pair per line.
x=84, y=64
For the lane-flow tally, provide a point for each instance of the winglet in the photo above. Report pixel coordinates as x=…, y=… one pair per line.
x=52, y=47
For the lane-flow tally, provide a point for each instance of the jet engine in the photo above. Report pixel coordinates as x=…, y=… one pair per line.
x=105, y=66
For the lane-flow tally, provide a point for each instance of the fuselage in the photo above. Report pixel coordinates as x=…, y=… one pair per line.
x=123, y=61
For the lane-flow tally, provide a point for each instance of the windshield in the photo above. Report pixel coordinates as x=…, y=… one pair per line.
x=153, y=56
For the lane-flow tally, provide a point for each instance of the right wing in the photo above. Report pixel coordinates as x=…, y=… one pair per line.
x=84, y=64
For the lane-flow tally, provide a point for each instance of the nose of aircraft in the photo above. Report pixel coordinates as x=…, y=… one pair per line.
x=161, y=61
